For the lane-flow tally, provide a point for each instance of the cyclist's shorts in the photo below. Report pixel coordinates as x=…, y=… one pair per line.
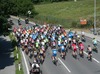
x=90, y=52
x=75, y=50
x=82, y=49
x=25, y=46
x=54, y=55
x=63, y=50
x=41, y=54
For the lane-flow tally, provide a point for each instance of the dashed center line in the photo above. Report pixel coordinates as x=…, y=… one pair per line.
x=64, y=65
x=92, y=58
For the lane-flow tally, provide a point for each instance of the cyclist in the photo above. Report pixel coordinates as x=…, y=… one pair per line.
x=35, y=53
x=19, y=23
x=70, y=34
x=69, y=43
x=95, y=45
x=54, y=54
x=62, y=50
x=78, y=38
x=74, y=47
x=37, y=45
x=26, y=21
x=83, y=33
x=65, y=43
x=75, y=34
x=83, y=36
x=54, y=44
x=41, y=55
x=74, y=40
x=81, y=48
x=89, y=49
x=94, y=42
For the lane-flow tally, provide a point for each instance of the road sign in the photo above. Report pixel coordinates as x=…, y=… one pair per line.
x=29, y=12
x=83, y=21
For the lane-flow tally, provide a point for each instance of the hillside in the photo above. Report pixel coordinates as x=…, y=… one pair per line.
x=68, y=10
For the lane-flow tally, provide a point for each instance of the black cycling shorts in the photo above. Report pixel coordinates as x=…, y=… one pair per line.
x=90, y=52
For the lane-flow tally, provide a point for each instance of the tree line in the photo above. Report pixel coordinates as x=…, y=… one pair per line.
x=39, y=1
x=13, y=7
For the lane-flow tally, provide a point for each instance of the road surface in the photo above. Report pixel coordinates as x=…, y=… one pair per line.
x=70, y=65
x=7, y=65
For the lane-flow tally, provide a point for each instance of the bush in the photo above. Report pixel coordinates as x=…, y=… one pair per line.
x=13, y=40
x=4, y=25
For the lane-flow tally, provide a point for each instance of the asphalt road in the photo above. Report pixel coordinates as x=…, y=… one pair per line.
x=7, y=65
x=70, y=65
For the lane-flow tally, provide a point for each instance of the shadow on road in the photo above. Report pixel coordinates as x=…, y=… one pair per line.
x=6, y=58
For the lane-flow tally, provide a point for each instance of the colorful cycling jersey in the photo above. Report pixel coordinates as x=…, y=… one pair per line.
x=59, y=43
x=46, y=39
x=43, y=43
x=54, y=43
x=62, y=47
x=94, y=41
x=70, y=34
x=37, y=44
x=74, y=46
x=53, y=38
x=81, y=46
x=66, y=41
x=59, y=39
x=62, y=36
x=54, y=52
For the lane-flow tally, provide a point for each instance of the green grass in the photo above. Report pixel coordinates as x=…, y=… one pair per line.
x=17, y=61
x=67, y=12
x=16, y=50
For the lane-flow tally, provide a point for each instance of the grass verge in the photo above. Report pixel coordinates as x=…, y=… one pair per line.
x=16, y=51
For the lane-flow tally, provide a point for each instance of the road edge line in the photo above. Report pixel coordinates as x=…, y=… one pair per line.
x=27, y=69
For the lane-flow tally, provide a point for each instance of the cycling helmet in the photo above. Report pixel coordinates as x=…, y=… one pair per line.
x=69, y=39
x=80, y=41
x=78, y=36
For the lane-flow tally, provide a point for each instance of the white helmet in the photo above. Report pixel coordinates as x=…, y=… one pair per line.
x=69, y=39
x=78, y=36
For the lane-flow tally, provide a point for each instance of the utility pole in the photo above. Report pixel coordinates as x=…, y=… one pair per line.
x=95, y=31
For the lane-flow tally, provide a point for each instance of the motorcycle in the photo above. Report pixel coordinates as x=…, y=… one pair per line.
x=36, y=70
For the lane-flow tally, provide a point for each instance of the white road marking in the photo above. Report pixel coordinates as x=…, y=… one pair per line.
x=92, y=58
x=27, y=69
x=85, y=52
x=64, y=65
x=96, y=60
